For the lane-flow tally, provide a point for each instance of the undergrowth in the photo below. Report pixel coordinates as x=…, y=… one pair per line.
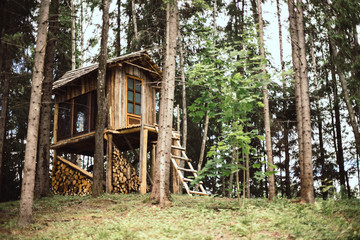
x=133, y=216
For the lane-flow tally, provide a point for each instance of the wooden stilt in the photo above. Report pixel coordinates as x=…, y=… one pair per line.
x=144, y=162
x=109, y=164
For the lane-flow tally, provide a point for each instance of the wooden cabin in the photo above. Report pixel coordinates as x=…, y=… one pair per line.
x=131, y=84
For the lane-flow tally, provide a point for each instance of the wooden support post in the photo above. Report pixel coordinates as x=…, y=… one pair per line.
x=109, y=164
x=153, y=158
x=143, y=150
x=178, y=118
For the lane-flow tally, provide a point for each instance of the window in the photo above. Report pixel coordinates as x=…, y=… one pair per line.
x=64, y=120
x=134, y=96
x=77, y=116
x=81, y=114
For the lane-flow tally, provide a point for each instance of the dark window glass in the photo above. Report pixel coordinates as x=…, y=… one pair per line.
x=134, y=96
x=64, y=120
x=81, y=114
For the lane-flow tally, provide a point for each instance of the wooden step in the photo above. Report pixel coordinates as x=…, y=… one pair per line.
x=178, y=148
x=186, y=170
x=181, y=158
x=199, y=193
x=190, y=180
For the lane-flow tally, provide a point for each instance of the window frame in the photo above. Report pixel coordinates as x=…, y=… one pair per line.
x=134, y=116
x=90, y=116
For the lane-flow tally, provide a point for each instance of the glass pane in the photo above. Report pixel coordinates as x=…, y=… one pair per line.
x=64, y=119
x=130, y=108
x=137, y=109
x=138, y=97
x=137, y=85
x=130, y=83
x=130, y=96
x=81, y=114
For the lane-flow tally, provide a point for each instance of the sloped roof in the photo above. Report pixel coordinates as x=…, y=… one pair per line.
x=142, y=56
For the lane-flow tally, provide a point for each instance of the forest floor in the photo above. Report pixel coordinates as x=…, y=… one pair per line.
x=133, y=216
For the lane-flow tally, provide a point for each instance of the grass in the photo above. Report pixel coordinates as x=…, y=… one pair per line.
x=133, y=216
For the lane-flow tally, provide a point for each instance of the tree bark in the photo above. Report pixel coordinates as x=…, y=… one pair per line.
x=42, y=177
x=319, y=120
x=160, y=191
x=28, y=181
x=102, y=106
x=118, y=30
x=339, y=152
x=72, y=12
x=82, y=34
x=271, y=178
x=286, y=129
x=4, y=101
x=133, y=13
x=308, y=182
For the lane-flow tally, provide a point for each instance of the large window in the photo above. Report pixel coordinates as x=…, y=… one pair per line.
x=134, y=96
x=77, y=116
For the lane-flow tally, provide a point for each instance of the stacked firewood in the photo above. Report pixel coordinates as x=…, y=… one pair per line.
x=124, y=177
x=67, y=180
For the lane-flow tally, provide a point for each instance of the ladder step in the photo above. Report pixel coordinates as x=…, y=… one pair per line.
x=199, y=193
x=186, y=170
x=190, y=180
x=178, y=148
x=181, y=158
x=175, y=138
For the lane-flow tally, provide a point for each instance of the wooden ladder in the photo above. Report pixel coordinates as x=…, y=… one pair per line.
x=183, y=157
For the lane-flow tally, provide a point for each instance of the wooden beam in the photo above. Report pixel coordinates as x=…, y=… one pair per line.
x=144, y=162
x=109, y=164
x=141, y=67
x=75, y=167
x=72, y=140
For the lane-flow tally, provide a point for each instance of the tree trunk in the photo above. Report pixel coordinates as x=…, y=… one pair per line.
x=4, y=101
x=269, y=155
x=72, y=12
x=183, y=84
x=133, y=13
x=308, y=181
x=160, y=191
x=339, y=152
x=203, y=141
x=42, y=177
x=286, y=129
x=247, y=180
x=28, y=181
x=102, y=106
x=118, y=30
x=82, y=34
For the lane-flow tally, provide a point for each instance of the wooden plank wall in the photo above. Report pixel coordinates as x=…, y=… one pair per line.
x=83, y=85
x=120, y=95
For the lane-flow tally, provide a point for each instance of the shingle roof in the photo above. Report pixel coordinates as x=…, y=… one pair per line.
x=75, y=74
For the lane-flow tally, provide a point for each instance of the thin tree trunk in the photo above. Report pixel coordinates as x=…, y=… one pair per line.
x=269, y=155
x=42, y=177
x=160, y=191
x=72, y=12
x=339, y=152
x=286, y=129
x=308, y=181
x=102, y=106
x=133, y=13
x=296, y=67
x=247, y=180
x=319, y=120
x=203, y=141
x=28, y=181
x=4, y=102
x=118, y=30
x=183, y=84
x=82, y=34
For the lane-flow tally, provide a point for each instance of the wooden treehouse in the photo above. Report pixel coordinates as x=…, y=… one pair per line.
x=132, y=83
